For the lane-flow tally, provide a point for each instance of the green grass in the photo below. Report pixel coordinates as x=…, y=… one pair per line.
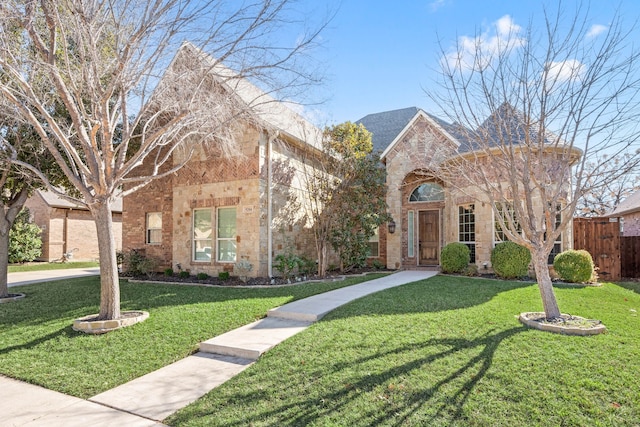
x=38, y=345
x=447, y=351
x=41, y=266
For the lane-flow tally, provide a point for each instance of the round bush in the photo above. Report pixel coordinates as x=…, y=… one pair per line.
x=454, y=258
x=510, y=260
x=574, y=266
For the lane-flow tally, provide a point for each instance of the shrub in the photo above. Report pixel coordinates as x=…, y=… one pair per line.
x=470, y=270
x=24, y=239
x=307, y=266
x=202, y=276
x=168, y=272
x=510, y=260
x=242, y=269
x=286, y=263
x=575, y=266
x=184, y=275
x=377, y=264
x=223, y=275
x=455, y=257
x=137, y=264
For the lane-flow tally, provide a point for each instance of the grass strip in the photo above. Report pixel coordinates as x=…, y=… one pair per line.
x=43, y=266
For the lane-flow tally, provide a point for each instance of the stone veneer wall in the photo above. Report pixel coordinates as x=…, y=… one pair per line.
x=408, y=165
x=420, y=147
x=632, y=224
x=484, y=224
x=241, y=181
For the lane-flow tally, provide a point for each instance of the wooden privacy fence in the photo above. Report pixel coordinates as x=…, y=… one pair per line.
x=630, y=256
x=601, y=238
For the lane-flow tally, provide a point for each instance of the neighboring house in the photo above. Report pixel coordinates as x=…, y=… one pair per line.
x=427, y=214
x=629, y=211
x=69, y=228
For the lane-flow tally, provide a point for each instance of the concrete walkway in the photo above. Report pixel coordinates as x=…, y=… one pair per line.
x=151, y=398
x=29, y=277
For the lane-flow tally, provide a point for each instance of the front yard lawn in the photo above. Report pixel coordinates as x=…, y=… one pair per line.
x=38, y=345
x=447, y=351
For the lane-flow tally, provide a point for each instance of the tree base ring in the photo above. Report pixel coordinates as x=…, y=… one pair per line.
x=91, y=325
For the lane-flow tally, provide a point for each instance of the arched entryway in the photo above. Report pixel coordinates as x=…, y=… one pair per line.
x=423, y=206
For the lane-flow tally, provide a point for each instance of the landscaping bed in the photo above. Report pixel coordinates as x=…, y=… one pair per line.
x=235, y=281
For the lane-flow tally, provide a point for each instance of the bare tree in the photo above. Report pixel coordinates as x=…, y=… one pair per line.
x=536, y=112
x=604, y=199
x=136, y=113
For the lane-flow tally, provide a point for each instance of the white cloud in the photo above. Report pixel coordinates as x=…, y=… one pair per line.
x=596, y=30
x=437, y=4
x=479, y=51
x=560, y=72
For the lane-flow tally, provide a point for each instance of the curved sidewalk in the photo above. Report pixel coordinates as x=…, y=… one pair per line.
x=153, y=397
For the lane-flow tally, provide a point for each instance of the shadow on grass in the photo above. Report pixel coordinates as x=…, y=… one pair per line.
x=632, y=286
x=438, y=293
x=46, y=302
x=66, y=332
x=443, y=398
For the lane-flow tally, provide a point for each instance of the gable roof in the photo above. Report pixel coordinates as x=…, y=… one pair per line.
x=629, y=205
x=273, y=114
x=55, y=201
x=388, y=126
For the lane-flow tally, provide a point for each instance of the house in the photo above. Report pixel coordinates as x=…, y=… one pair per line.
x=68, y=228
x=427, y=214
x=218, y=210
x=251, y=206
x=629, y=211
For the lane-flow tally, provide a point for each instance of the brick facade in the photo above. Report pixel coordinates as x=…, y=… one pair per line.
x=68, y=230
x=210, y=181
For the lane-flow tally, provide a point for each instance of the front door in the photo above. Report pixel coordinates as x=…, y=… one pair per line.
x=429, y=237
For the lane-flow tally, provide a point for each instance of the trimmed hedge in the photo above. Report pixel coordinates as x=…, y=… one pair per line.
x=455, y=257
x=574, y=266
x=510, y=260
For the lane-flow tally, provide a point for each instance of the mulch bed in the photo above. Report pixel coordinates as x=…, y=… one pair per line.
x=252, y=281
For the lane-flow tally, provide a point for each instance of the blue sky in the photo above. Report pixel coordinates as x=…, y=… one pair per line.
x=383, y=55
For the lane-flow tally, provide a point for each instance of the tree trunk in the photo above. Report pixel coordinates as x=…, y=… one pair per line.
x=321, y=248
x=4, y=257
x=109, y=280
x=545, y=286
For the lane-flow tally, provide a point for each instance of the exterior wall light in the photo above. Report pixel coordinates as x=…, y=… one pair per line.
x=392, y=226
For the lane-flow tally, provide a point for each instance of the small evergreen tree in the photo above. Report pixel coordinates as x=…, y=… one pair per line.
x=357, y=202
x=25, y=243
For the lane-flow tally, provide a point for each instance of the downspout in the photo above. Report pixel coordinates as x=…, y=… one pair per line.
x=65, y=233
x=270, y=139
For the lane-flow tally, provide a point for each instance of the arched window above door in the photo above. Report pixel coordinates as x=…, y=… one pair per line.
x=428, y=192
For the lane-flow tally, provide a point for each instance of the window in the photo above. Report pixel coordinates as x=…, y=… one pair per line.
x=557, y=245
x=154, y=228
x=467, y=228
x=507, y=212
x=411, y=235
x=429, y=192
x=202, y=235
x=374, y=243
x=226, y=236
